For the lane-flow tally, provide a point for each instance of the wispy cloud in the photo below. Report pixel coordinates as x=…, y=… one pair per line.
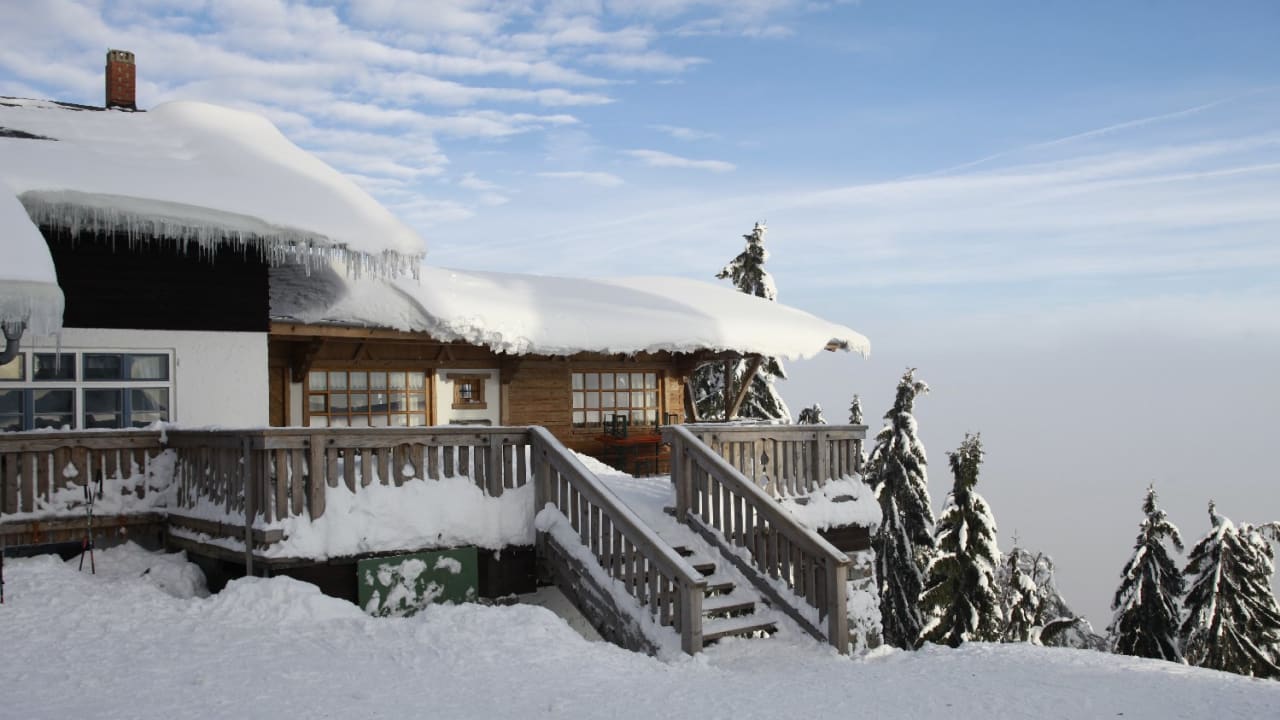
x=602, y=179
x=684, y=133
x=657, y=158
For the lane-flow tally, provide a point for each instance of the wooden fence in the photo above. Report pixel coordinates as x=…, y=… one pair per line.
x=36, y=467
x=733, y=512
x=664, y=584
x=787, y=460
x=280, y=473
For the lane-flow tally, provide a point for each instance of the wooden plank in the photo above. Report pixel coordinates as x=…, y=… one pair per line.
x=9, y=482
x=29, y=460
x=316, y=483
x=295, y=474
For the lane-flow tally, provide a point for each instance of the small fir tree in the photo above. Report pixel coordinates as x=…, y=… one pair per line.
x=811, y=416
x=762, y=401
x=904, y=541
x=855, y=411
x=1232, y=622
x=1020, y=598
x=1146, y=604
x=960, y=596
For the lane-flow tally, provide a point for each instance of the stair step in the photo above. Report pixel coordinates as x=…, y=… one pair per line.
x=682, y=550
x=726, y=605
x=702, y=565
x=713, y=630
x=720, y=585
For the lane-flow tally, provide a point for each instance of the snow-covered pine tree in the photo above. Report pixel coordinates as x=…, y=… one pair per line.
x=811, y=415
x=1052, y=621
x=960, y=597
x=1146, y=604
x=762, y=401
x=904, y=541
x=855, y=411
x=1231, y=621
x=1020, y=598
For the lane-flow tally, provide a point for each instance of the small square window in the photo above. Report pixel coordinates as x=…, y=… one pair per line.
x=103, y=367
x=48, y=366
x=148, y=367
x=15, y=369
x=468, y=391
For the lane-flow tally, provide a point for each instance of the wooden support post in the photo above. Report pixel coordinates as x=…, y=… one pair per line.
x=743, y=389
x=728, y=389
x=250, y=486
x=680, y=478
x=837, y=613
x=822, y=455
x=690, y=619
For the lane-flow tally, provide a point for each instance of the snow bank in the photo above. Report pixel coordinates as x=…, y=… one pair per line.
x=196, y=173
x=29, y=291
x=527, y=314
x=847, y=501
x=121, y=649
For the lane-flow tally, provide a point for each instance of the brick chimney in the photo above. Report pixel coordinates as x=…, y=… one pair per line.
x=121, y=80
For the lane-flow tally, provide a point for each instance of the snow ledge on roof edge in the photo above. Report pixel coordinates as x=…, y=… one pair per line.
x=143, y=220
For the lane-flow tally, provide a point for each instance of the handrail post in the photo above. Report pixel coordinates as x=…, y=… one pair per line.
x=690, y=619
x=822, y=452
x=680, y=476
x=837, y=610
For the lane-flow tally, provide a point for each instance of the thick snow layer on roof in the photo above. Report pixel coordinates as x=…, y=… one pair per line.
x=532, y=314
x=193, y=172
x=29, y=289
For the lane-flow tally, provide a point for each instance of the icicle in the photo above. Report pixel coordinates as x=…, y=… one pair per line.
x=204, y=231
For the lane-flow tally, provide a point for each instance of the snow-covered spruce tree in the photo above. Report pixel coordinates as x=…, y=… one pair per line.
x=1146, y=604
x=904, y=541
x=811, y=416
x=1020, y=598
x=855, y=411
x=762, y=401
x=1231, y=621
x=960, y=597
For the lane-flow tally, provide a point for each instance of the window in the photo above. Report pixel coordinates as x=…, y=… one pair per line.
x=468, y=391
x=361, y=398
x=598, y=395
x=85, y=390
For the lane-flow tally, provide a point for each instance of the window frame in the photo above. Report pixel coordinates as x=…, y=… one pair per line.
x=78, y=386
x=477, y=382
x=427, y=392
x=597, y=427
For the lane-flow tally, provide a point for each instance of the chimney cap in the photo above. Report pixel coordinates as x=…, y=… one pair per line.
x=123, y=56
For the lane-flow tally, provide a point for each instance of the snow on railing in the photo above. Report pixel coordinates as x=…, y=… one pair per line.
x=43, y=475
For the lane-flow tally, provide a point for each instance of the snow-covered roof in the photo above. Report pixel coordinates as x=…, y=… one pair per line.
x=29, y=291
x=193, y=172
x=533, y=314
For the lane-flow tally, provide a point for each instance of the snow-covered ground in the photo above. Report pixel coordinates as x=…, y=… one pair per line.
x=137, y=640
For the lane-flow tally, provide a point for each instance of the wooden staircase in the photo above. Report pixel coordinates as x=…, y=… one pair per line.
x=727, y=609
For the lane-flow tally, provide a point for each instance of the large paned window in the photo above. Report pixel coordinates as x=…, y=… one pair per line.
x=85, y=390
x=367, y=398
x=599, y=395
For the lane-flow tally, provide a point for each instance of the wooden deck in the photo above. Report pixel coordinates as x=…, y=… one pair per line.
x=221, y=494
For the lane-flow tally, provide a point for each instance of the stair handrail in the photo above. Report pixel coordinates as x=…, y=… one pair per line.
x=681, y=605
x=766, y=526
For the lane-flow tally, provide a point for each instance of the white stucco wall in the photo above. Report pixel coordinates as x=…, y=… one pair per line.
x=446, y=414
x=219, y=378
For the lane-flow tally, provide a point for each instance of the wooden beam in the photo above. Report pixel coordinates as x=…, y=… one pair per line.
x=303, y=359
x=286, y=330
x=728, y=389
x=752, y=369
x=690, y=404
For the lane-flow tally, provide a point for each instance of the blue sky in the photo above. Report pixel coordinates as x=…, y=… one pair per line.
x=1066, y=214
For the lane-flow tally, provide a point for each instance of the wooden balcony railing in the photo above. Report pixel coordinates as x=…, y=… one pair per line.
x=802, y=573
x=43, y=474
x=787, y=460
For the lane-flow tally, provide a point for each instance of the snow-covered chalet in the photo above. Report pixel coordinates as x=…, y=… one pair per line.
x=188, y=265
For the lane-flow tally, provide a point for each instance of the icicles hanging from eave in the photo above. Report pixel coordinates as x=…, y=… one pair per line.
x=204, y=230
x=37, y=305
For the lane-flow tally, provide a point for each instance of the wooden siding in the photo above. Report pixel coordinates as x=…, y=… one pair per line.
x=110, y=281
x=535, y=389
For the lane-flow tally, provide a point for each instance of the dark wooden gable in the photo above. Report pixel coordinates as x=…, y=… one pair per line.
x=109, y=282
